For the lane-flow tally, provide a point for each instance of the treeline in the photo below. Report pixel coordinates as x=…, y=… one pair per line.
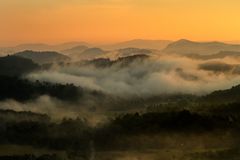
x=7, y=116
x=68, y=134
x=121, y=62
x=16, y=66
x=23, y=89
x=223, y=96
x=78, y=135
x=30, y=157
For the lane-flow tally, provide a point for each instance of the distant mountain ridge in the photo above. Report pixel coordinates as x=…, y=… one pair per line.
x=138, y=43
x=219, y=55
x=75, y=50
x=121, y=61
x=43, y=57
x=82, y=53
x=87, y=51
x=185, y=47
x=40, y=47
x=133, y=51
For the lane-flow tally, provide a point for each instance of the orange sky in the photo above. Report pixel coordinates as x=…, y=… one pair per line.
x=101, y=21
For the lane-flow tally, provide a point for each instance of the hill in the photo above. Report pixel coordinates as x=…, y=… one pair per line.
x=231, y=95
x=23, y=90
x=184, y=47
x=40, y=47
x=133, y=51
x=75, y=50
x=120, y=62
x=43, y=57
x=221, y=54
x=139, y=43
x=16, y=66
x=88, y=54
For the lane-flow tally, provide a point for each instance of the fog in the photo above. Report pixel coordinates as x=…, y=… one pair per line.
x=132, y=92
x=55, y=108
x=155, y=75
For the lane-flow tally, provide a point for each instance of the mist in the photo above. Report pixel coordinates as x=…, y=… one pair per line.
x=161, y=74
x=56, y=109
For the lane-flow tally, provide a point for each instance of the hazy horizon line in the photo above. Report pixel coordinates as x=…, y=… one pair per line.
x=15, y=44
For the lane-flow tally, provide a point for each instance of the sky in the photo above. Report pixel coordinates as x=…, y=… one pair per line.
x=109, y=21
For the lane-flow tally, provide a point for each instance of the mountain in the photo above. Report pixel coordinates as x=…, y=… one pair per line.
x=185, y=47
x=43, y=57
x=125, y=52
x=46, y=47
x=139, y=43
x=133, y=51
x=219, y=55
x=40, y=47
x=16, y=66
x=125, y=61
x=88, y=54
x=68, y=45
x=75, y=50
x=32, y=46
x=121, y=62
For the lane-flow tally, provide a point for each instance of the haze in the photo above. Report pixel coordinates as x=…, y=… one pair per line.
x=104, y=21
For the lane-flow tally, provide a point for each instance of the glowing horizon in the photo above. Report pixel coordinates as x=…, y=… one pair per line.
x=105, y=21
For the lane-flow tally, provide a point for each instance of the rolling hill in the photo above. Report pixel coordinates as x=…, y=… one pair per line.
x=88, y=54
x=219, y=55
x=120, y=62
x=16, y=66
x=40, y=47
x=139, y=43
x=43, y=57
x=185, y=47
x=75, y=50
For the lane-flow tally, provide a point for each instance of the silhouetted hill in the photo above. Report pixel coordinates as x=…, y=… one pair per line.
x=139, y=43
x=16, y=66
x=23, y=90
x=220, y=67
x=88, y=54
x=231, y=95
x=47, y=47
x=171, y=121
x=43, y=57
x=219, y=55
x=40, y=47
x=129, y=59
x=68, y=45
x=133, y=51
x=75, y=50
x=203, y=48
x=216, y=67
x=121, y=62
